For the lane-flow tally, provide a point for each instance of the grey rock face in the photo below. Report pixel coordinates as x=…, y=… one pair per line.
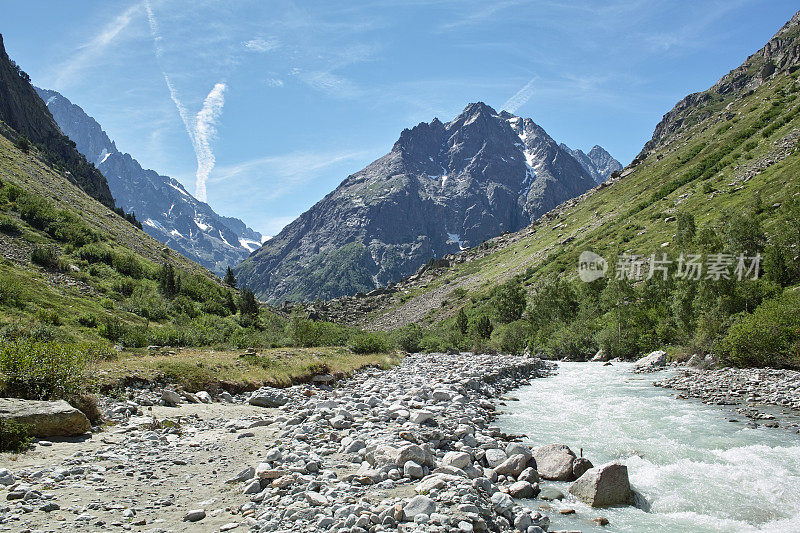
x=598, y=162
x=45, y=419
x=166, y=210
x=442, y=188
x=604, y=486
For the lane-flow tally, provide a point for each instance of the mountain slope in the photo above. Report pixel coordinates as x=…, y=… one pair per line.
x=163, y=206
x=25, y=114
x=711, y=155
x=443, y=187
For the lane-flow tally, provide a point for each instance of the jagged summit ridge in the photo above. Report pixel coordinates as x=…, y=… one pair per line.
x=443, y=187
x=166, y=210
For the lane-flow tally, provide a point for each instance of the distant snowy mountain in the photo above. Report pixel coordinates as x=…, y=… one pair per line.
x=165, y=209
x=598, y=163
x=442, y=188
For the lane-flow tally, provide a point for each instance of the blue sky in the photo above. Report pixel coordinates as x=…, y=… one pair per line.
x=268, y=105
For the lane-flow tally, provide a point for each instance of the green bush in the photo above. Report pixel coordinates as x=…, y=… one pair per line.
x=9, y=225
x=309, y=333
x=128, y=265
x=369, y=343
x=36, y=211
x=512, y=338
x=770, y=336
x=45, y=256
x=23, y=143
x=88, y=320
x=97, y=253
x=14, y=436
x=408, y=338
x=38, y=370
x=48, y=317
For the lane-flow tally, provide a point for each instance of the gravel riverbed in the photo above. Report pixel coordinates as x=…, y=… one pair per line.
x=411, y=449
x=751, y=391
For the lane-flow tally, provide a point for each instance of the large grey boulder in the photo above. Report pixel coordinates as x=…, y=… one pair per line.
x=418, y=505
x=45, y=419
x=604, y=486
x=554, y=462
x=651, y=362
x=267, y=397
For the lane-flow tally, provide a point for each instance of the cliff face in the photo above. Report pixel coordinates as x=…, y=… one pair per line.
x=442, y=188
x=23, y=111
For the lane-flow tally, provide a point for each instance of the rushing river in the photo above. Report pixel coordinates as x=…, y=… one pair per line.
x=699, y=471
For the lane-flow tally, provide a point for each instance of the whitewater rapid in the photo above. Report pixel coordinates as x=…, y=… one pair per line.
x=698, y=470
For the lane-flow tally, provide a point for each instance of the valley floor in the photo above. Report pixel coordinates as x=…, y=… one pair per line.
x=384, y=448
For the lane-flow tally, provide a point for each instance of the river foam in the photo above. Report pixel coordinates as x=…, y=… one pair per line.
x=697, y=470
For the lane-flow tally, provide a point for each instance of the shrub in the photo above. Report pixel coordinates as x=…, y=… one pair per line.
x=23, y=143
x=38, y=370
x=48, y=317
x=97, y=253
x=369, y=343
x=408, y=338
x=88, y=320
x=513, y=338
x=9, y=226
x=14, y=436
x=45, y=256
x=483, y=327
x=128, y=265
x=36, y=211
x=112, y=328
x=770, y=336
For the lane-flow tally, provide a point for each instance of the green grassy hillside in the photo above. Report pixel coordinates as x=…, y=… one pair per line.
x=731, y=172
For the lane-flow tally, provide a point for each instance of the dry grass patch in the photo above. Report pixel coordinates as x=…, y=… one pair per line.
x=196, y=369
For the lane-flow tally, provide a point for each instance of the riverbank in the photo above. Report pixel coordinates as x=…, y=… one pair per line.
x=412, y=447
x=763, y=395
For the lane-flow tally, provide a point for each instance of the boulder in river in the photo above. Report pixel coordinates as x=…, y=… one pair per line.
x=604, y=486
x=554, y=462
x=651, y=362
x=45, y=419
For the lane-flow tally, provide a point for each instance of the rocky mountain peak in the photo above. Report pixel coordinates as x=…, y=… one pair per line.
x=166, y=210
x=444, y=187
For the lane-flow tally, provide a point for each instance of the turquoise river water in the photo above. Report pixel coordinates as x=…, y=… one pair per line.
x=698, y=471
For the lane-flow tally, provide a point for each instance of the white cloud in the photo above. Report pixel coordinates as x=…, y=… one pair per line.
x=88, y=53
x=261, y=45
x=520, y=97
x=202, y=128
x=274, y=82
x=204, y=132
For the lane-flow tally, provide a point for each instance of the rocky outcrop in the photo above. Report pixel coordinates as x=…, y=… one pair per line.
x=166, y=210
x=24, y=112
x=780, y=55
x=604, y=486
x=443, y=188
x=45, y=419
